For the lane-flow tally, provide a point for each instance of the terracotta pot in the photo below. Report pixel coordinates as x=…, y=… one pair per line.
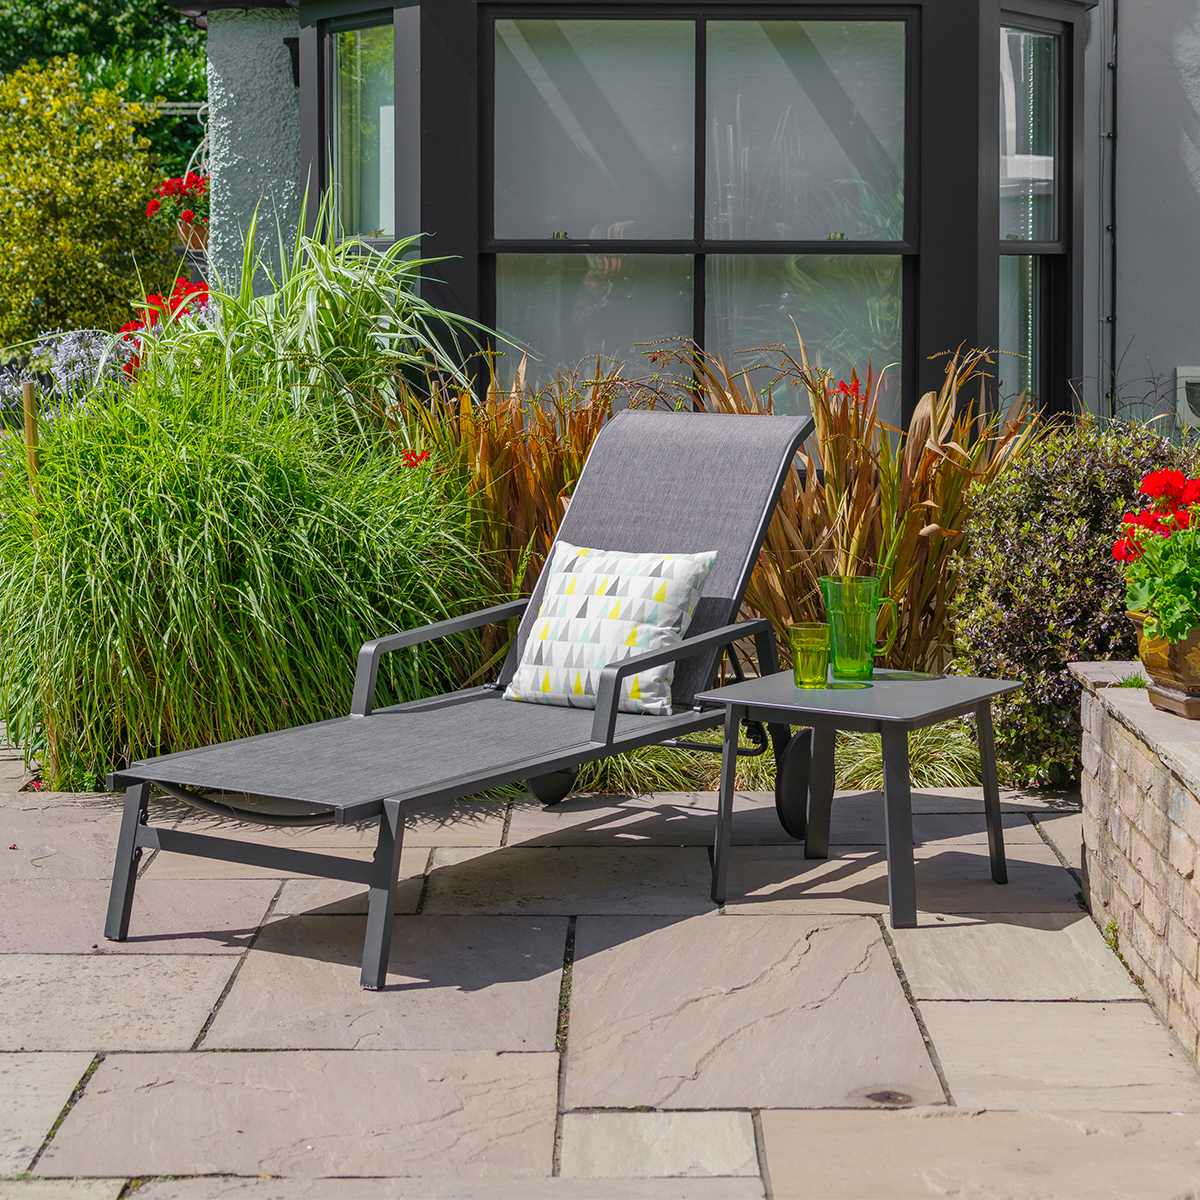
x=193, y=235
x=1174, y=670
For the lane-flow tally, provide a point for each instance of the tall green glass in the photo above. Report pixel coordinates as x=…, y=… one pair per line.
x=852, y=604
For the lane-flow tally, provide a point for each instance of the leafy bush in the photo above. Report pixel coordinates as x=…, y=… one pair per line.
x=200, y=565
x=1038, y=587
x=44, y=29
x=151, y=72
x=74, y=180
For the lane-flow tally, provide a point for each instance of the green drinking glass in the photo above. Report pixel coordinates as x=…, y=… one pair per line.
x=852, y=604
x=810, y=653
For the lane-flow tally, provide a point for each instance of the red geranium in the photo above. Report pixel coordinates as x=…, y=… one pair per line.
x=1173, y=495
x=184, y=199
x=185, y=297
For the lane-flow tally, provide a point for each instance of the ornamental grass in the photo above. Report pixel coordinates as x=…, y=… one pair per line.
x=199, y=564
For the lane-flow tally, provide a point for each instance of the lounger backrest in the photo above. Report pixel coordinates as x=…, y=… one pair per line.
x=681, y=483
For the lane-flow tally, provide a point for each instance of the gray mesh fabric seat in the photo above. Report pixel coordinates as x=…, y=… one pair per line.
x=670, y=483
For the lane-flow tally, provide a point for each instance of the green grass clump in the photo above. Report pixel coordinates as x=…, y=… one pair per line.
x=201, y=564
x=942, y=755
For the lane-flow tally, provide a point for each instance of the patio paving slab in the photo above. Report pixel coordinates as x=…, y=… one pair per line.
x=170, y=916
x=1036, y=1055
x=981, y=1155
x=688, y=818
x=107, y=1002
x=556, y=1188
x=637, y=1145
x=58, y=836
x=313, y=1113
x=61, y=1189
x=1033, y=956
x=166, y=865
x=452, y=823
x=33, y=1090
x=454, y=983
x=570, y=880
x=1065, y=830
x=732, y=1012
x=331, y=897
x=771, y=879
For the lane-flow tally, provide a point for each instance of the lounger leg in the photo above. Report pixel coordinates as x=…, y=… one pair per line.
x=120, y=896
x=382, y=902
x=733, y=720
x=791, y=780
x=897, y=820
x=991, y=791
x=820, y=793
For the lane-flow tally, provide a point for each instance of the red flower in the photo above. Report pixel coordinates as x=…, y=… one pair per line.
x=187, y=216
x=153, y=207
x=1191, y=492
x=412, y=458
x=1126, y=550
x=1167, y=484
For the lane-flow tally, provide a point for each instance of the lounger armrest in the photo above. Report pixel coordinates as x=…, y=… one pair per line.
x=609, y=691
x=368, y=657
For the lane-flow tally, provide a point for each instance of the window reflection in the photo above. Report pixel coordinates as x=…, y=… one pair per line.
x=1020, y=323
x=805, y=130
x=567, y=307
x=846, y=307
x=1028, y=134
x=594, y=128
x=363, y=147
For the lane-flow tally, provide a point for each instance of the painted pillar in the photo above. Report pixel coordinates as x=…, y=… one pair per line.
x=253, y=135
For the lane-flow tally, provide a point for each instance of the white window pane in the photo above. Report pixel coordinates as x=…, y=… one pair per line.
x=805, y=130
x=594, y=129
x=1028, y=134
x=567, y=307
x=1020, y=320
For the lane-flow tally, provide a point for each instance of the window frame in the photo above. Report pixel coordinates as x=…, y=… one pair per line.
x=699, y=14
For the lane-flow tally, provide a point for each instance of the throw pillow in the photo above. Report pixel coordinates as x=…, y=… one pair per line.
x=602, y=606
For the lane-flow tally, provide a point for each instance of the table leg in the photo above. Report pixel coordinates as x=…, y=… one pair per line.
x=720, y=869
x=991, y=791
x=820, y=793
x=897, y=815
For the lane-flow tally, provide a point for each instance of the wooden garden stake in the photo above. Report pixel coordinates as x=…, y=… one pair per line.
x=31, y=437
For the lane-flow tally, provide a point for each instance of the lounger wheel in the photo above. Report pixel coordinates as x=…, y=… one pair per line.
x=553, y=788
x=791, y=784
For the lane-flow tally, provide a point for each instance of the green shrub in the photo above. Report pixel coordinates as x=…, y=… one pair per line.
x=1039, y=587
x=149, y=73
x=75, y=176
x=201, y=565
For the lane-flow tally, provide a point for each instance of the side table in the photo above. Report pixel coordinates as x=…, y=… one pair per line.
x=891, y=704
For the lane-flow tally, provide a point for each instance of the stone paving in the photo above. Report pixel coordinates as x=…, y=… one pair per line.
x=568, y=1016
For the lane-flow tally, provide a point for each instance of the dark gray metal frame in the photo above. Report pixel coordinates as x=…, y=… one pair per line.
x=741, y=704
x=275, y=764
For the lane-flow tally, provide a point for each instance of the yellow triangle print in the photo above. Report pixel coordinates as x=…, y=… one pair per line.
x=570, y=587
x=661, y=594
x=578, y=684
x=615, y=615
x=631, y=640
x=545, y=632
x=635, y=692
x=546, y=683
x=602, y=587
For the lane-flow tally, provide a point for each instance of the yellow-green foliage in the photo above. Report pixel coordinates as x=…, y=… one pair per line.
x=75, y=246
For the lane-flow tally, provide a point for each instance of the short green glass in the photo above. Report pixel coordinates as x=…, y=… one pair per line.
x=810, y=653
x=852, y=604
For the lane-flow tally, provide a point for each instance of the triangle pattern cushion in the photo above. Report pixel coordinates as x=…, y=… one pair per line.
x=602, y=606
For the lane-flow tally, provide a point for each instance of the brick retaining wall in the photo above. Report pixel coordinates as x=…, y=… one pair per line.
x=1141, y=839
